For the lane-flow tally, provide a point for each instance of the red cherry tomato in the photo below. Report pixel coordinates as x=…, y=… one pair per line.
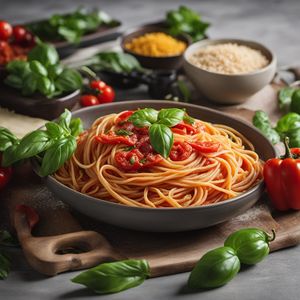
x=5, y=175
x=19, y=33
x=206, y=147
x=89, y=100
x=107, y=95
x=113, y=139
x=5, y=31
x=31, y=215
x=129, y=161
x=180, y=151
x=98, y=85
x=123, y=117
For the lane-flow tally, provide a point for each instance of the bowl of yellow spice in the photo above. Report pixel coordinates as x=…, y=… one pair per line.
x=154, y=47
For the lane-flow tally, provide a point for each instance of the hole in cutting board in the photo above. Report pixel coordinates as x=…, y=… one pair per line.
x=73, y=249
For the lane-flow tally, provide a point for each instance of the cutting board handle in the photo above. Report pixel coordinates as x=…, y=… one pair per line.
x=46, y=254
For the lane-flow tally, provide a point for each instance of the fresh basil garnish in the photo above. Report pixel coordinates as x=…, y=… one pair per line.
x=123, y=132
x=5, y=265
x=144, y=117
x=7, y=139
x=53, y=146
x=170, y=117
x=161, y=138
x=188, y=119
x=262, y=122
x=114, y=277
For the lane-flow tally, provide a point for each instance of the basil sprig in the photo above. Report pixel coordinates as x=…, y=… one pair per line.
x=114, y=277
x=53, y=146
x=159, y=123
x=42, y=74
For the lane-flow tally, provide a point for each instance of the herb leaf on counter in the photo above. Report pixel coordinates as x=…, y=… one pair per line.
x=185, y=20
x=7, y=139
x=262, y=122
x=285, y=98
x=114, y=277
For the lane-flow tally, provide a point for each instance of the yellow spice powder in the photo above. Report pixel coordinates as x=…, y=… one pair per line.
x=156, y=44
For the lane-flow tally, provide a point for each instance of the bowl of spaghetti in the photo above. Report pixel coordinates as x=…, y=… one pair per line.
x=162, y=166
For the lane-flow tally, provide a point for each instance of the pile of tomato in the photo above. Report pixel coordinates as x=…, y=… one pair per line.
x=15, y=42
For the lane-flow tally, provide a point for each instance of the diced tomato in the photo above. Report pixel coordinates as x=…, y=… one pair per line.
x=134, y=160
x=31, y=215
x=206, y=147
x=184, y=128
x=124, y=116
x=144, y=145
x=129, y=161
x=180, y=151
x=113, y=139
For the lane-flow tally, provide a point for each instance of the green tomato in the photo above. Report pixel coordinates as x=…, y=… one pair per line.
x=216, y=268
x=295, y=104
x=251, y=244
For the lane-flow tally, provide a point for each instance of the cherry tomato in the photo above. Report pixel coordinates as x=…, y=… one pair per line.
x=5, y=175
x=29, y=39
x=19, y=33
x=107, y=95
x=89, y=100
x=129, y=161
x=98, y=85
x=206, y=147
x=5, y=31
x=123, y=117
x=31, y=215
x=180, y=151
x=113, y=139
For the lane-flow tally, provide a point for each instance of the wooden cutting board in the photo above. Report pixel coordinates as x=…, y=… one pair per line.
x=167, y=253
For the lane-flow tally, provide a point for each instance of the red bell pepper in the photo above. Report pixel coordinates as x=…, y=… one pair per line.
x=282, y=178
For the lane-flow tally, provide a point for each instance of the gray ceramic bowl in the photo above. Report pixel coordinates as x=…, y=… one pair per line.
x=165, y=219
x=229, y=89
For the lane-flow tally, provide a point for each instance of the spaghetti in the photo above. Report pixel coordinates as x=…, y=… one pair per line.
x=115, y=161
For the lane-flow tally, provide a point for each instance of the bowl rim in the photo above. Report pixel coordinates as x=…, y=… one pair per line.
x=158, y=27
x=241, y=197
x=244, y=42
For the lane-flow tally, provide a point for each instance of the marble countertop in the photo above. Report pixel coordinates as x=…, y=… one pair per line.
x=275, y=23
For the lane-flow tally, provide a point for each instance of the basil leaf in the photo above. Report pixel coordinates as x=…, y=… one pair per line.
x=161, y=138
x=54, y=71
x=294, y=138
x=57, y=155
x=114, y=277
x=44, y=85
x=262, y=122
x=30, y=145
x=184, y=90
x=123, y=132
x=37, y=68
x=69, y=34
x=144, y=117
x=29, y=84
x=18, y=67
x=65, y=120
x=4, y=266
x=285, y=98
x=6, y=239
x=7, y=139
x=14, y=81
x=76, y=126
x=188, y=119
x=46, y=54
x=295, y=104
x=54, y=130
x=171, y=116
x=69, y=80
x=288, y=122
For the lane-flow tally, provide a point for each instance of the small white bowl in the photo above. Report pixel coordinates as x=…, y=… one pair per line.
x=228, y=88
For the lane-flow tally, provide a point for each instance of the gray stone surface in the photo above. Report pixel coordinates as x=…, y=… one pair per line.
x=275, y=23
